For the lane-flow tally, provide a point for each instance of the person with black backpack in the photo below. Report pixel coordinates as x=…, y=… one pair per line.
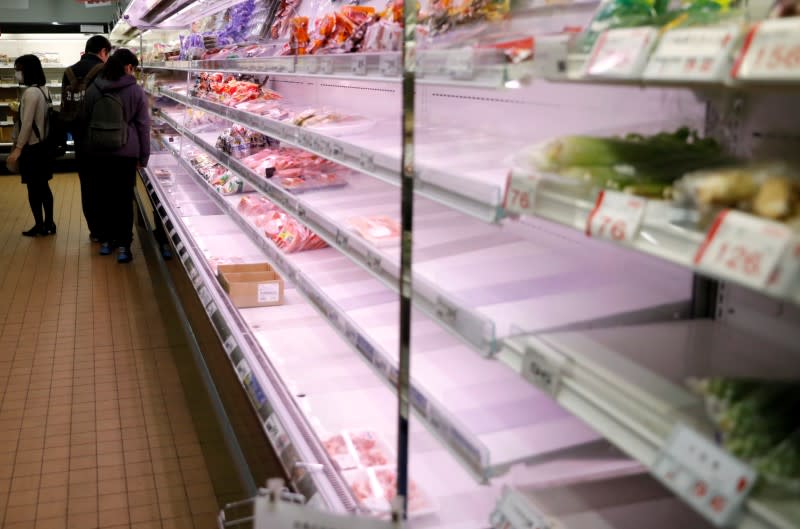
x=76, y=80
x=31, y=152
x=117, y=137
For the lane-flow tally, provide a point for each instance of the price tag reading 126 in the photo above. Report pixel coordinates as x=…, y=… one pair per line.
x=743, y=248
x=771, y=51
x=616, y=216
x=621, y=53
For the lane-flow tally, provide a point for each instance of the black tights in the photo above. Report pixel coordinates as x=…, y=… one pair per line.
x=41, y=198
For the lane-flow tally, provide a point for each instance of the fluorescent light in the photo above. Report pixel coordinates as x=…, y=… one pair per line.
x=54, y=23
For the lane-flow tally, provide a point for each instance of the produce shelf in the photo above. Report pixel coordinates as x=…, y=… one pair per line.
x=629, y=383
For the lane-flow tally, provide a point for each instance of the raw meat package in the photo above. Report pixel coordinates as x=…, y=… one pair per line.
x=377, y=229
x=358, y=448
x=376, y=487
x=287, y=234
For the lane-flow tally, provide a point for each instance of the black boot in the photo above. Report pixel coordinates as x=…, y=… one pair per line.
x=50, y=228
x=35, y=231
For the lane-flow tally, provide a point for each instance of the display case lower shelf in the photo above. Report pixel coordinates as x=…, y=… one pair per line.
x=280, y=424
x=629, y=384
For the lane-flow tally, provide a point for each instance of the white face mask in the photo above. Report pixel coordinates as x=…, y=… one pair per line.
x=18, y=76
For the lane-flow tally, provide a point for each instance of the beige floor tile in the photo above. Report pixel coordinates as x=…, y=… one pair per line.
x=95, y=430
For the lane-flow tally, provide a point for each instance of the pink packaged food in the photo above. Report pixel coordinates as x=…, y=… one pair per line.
x=367, y=491
x=371, y=450
x=340, y=452
x=378, y=229
x=419, y=502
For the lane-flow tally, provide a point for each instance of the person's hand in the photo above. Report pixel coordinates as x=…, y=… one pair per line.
x=14, y=156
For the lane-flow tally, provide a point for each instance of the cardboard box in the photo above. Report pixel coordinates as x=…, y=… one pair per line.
x=251, y=285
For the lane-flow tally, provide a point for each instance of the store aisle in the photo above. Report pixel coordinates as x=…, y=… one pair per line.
x=95, y=430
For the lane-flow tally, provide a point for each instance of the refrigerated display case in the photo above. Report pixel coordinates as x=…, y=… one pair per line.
x=604, y=277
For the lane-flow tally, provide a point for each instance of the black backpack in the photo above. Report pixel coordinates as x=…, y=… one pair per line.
x=108, y=125
x=54, y=138
x=74, y=96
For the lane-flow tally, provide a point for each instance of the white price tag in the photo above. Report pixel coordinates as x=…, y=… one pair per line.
x=621, y=53
x=229, y=344
x=771, y=51
x=211, y=308
x=276, y=433
x=743, y=248
x=521, y=193
x=389, y=65
x=269, y=292
x=460, y=64
x=326, y=65
x=242, y=369
x=693, y=54
x=204, y=295
x=711, y=480
x=540, y=371
x=358, y=65
x=616, y=216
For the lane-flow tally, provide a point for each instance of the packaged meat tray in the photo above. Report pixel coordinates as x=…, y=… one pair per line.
x=341, y=451
x=377, y=229
x=358, y=448
x=376, y=487
x=308, y=181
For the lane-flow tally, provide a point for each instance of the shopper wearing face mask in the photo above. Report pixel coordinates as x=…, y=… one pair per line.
x=29, y=153
x=76, y=80
x=117, y=139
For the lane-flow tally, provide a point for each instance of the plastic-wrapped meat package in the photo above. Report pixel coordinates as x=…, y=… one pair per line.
x=286, y=11
x=371, y=449
x=367, y=491
x=255, y=205
x=339, y=451
x=418, y=501
x=378, y=229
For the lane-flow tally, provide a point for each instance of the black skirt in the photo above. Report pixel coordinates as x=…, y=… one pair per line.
x=35, y=164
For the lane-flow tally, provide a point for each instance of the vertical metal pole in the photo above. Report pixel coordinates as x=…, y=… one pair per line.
x=407, y=203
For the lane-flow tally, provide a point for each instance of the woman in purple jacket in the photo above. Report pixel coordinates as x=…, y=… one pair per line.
x=115, y=172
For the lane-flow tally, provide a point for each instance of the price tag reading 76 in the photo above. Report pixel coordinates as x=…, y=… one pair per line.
x=743, y=248
x=521, y=194
x=616, y=216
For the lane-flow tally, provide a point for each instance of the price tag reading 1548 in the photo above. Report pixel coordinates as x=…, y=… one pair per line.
x=744, y=248
x=616, y=216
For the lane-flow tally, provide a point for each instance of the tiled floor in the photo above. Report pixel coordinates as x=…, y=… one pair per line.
x=95, y=430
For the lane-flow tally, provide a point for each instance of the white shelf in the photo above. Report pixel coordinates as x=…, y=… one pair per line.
x=463, y=67
x=468, y=176
x=482, y=311
x=363, y=310
x=628, y=502
x=256, y=377
x=628, y=384
x=325, y=376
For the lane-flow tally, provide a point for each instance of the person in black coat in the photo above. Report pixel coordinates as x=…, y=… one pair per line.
x=97, y=50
